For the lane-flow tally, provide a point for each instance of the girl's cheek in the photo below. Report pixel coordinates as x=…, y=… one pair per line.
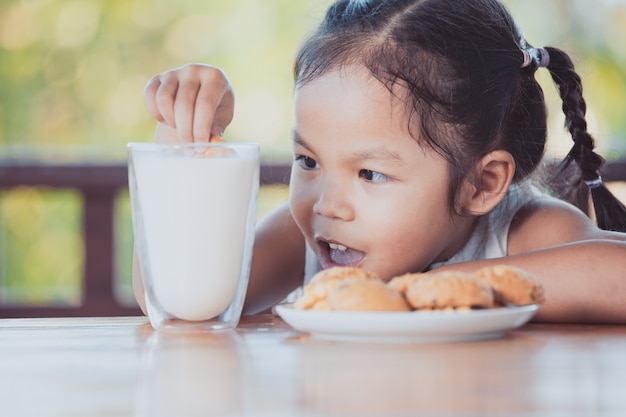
x=302, y=197
x=299, y=192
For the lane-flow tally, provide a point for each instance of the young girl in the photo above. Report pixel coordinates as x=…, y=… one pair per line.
x=417, y=126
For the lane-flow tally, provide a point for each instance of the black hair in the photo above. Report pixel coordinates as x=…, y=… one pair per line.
x=459, y=65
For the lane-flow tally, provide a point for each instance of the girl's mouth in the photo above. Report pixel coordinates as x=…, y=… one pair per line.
x=335, y=254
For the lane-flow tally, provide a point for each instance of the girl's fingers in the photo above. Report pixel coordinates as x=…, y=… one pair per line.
x=149, y=97
x=212, y=114
x=204, y=114
x=214, y=103
x=184, y=108
x=165, y=134
x=196, y=100
x=225, y=110
x=166, y=97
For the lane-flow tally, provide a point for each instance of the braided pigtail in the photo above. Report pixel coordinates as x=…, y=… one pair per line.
x=610, y=212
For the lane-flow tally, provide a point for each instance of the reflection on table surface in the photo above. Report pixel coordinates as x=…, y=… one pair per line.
x=121, y=367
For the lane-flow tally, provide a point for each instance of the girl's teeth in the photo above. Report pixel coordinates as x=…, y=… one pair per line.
x=336, y=246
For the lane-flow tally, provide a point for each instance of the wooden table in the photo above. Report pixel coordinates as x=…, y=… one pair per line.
x=120, y=367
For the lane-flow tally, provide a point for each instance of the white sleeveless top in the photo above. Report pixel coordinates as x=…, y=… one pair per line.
x=489, y=239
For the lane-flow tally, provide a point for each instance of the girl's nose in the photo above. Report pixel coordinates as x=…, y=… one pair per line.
x=334, y=202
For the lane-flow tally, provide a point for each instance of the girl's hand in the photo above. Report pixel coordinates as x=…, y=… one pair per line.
x=191, y=103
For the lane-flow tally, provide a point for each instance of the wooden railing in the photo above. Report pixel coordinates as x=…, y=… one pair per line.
x=99, y=184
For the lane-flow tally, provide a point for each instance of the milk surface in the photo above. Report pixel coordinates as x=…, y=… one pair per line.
x=194, y=211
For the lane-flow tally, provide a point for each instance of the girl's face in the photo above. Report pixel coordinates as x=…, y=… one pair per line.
x=364, y=193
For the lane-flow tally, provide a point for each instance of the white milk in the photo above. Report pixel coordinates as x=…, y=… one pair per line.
x=194, y=211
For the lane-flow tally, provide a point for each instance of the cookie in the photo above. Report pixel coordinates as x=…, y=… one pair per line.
x=403, y=282
x=316, y=291
x=215, y=151
x=449, y=290
x=512, y=285
x=366, y=295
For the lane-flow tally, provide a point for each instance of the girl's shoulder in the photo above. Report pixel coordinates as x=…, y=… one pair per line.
x=543, y=221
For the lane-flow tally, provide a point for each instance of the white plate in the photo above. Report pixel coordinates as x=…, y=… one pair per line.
x=401, y=327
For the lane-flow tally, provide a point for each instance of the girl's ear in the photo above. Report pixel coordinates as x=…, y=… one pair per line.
x=488, y=184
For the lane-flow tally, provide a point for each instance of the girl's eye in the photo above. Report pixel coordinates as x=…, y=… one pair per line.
x=372, y=176
x=306, y=162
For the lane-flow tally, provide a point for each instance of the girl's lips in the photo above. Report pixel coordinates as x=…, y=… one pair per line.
x=335, y=254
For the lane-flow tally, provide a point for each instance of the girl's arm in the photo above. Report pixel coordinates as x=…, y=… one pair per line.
x=277, y=261
x=582, y=268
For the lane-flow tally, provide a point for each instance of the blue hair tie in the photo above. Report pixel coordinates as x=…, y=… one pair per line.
x=540, y=55
x=594, y=183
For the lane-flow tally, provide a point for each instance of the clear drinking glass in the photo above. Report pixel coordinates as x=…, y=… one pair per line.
x=194, y=211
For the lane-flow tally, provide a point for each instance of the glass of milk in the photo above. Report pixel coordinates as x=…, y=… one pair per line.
x=194, y=211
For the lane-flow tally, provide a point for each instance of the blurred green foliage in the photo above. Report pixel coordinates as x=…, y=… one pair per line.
x=73, y=71
x=41, y=248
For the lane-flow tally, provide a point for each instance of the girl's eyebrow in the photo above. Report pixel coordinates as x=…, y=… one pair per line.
x=298, y=140
x=377, y=153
